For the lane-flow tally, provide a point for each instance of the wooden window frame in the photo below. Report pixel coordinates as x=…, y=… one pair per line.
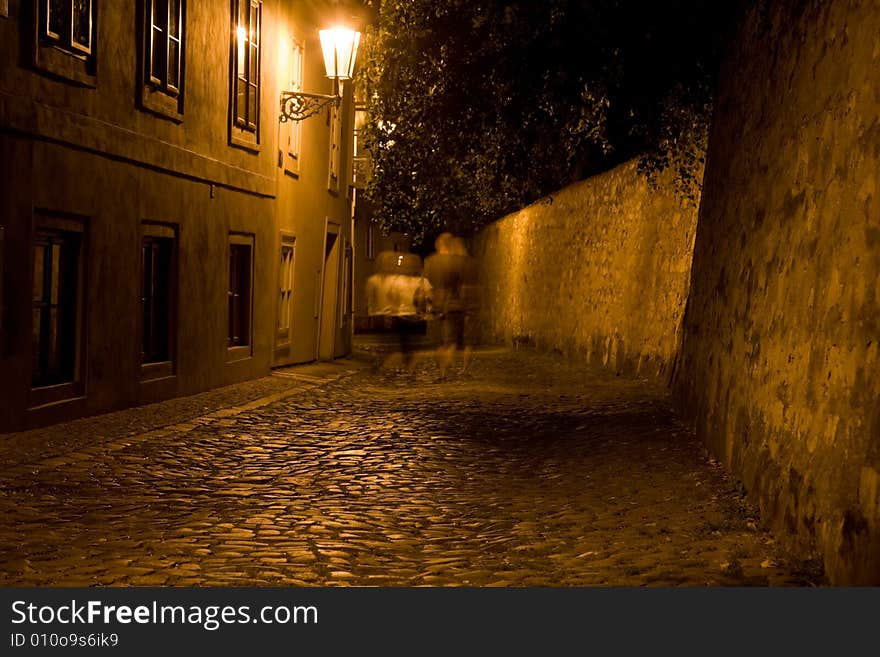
x=68, y=385
x=285, y=289
x=158, y=94
x=57, y=51
x=334, y=121
x=240, y=310
x=152, y=365
x=292, y=130
x=65, y=40
x=246, y=64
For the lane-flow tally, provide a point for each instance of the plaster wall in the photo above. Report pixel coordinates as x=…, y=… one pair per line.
x=112, y=199
x=779, y=366
x=87, y=146
x=307, y=200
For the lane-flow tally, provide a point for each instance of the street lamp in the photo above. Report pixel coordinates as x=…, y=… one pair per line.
x=339, y=46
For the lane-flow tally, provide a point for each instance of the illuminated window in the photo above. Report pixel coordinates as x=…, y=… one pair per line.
x=246, y=65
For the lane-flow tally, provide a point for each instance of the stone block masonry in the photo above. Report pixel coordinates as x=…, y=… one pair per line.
x=779, y=366
x=770, y=341
x=599, y=270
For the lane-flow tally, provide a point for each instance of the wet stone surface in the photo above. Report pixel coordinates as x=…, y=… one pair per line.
x=527, y=471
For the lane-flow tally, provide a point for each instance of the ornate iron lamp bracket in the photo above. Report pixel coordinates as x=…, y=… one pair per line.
x=298, y=105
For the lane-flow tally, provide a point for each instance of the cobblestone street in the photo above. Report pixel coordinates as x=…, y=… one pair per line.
x=527, y=471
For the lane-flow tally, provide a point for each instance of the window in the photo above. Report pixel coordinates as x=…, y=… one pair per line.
x=347, y=286
x=2, y=241
x=371, y=243
x=157, y=300
x=285, y=288
x=67, y=25
x=335, y=138
x=65, y=39
x=246, y=65
x=239, y=291
x=164, y=43
x=55, y=305
x=294, y=128
x=360, y=161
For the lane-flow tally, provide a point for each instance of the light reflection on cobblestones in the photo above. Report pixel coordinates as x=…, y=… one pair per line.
x=529, y=472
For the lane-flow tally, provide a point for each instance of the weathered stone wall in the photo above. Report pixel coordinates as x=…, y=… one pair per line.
x=779, y=365
x=599, y=269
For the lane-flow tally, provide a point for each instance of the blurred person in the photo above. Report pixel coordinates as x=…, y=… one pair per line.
x=444, y=270
x=470, y=299
x=393, y=293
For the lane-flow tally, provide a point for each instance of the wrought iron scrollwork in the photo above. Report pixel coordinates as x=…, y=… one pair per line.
x=297, y=105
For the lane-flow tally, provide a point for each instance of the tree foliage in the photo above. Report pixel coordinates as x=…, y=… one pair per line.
x=479, y=107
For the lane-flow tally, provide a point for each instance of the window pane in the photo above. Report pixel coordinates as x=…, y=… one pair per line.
x=244, y=292
x=54, y=307
x=239, y=294
x=233, y=295
x=156, y=303
x=39, y=253
x=243, y=12
x=242, y=52
x=252, y=105
x=157, y=60
x=159, y=14
x=55, y=269
x=147, y=300
x=241, y=101
x=35, y=352
x=163, y=300
x=253, y=61
x=56, y=20
x=174, y=18
x=82, y=24
x=53, y=355
x=173, y=63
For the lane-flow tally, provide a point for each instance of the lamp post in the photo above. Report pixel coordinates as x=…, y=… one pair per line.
x=339, y=46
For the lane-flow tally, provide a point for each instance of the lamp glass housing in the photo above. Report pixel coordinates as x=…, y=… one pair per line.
x=339, y=46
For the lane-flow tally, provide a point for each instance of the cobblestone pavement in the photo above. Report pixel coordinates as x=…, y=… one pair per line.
x=529, y=471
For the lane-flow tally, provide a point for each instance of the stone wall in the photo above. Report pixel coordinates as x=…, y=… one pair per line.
x=600, y=269
x=779, y=366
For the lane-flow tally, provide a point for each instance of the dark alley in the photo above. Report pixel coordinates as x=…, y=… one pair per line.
x=247, y=248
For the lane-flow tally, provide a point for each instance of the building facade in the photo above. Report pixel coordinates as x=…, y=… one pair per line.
x=162, y=232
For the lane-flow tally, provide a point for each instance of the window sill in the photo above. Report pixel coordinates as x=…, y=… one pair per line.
x=291, y=166
x=159, y=370
x=243, y=139
x=161, y=104
x=333, y=185
x=234, y=354
x=63, y=65
x=48, y=395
